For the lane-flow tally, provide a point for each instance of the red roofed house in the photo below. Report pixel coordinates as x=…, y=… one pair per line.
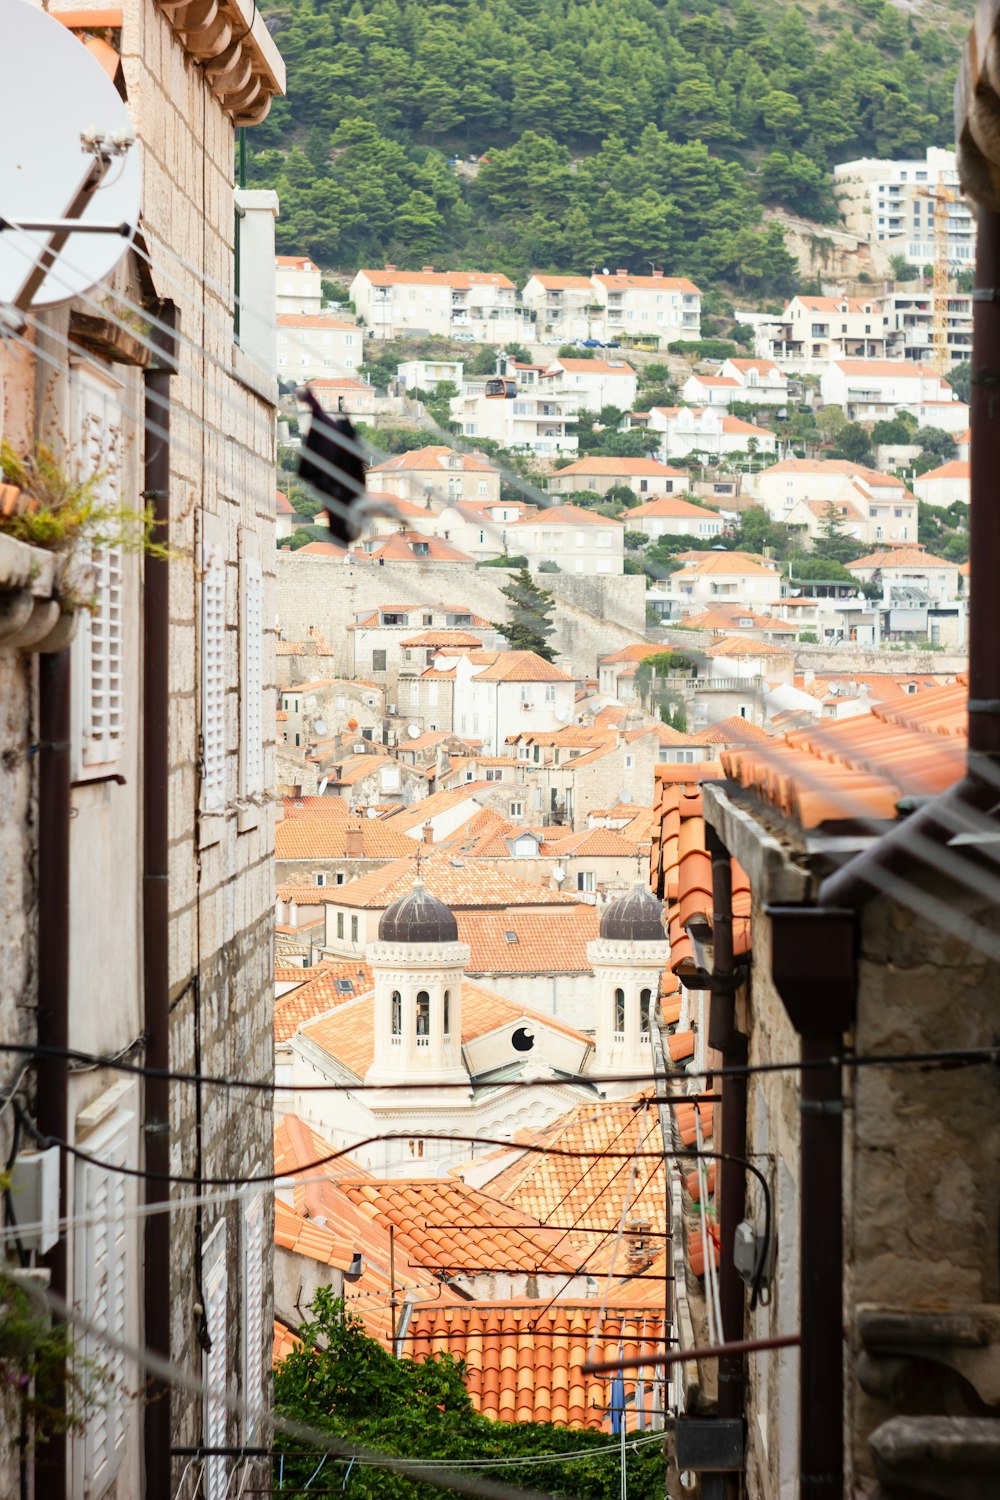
x=479, y=304
x=502, y=693
x=312, y=344
x=565, y=308
x=814, y=330
x=760, y=380
x=580, y=541
x=437, y=474
x=285, y=519
x=876, y=508
x=593, y=383
x=711, y=390
x=868, y=390
x=654, y=307
x=707, y=430
x=945, y=484
x=343, y=394
x=298, y=284
x=673, y=516
x=646, y=477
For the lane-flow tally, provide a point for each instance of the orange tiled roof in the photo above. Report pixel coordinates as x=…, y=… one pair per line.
x=457, y=279
x=521, y=666
x=592, y=843
x=956, y=468
x=621, y=280
x=741, y=564
x=455, y=881
x=325, y=836
x=671, y=507
x=284, y=1342
x=432, y=638
x=320, y=993
x=523, y=1359
x=433, y=457
x=733, y=731
x=740, y=645
x=643, y=468
x=322, y=321
x=400, y=548
x=899, y=557
x=567, y=515
x=546, y=942
x=289, y=648
x=311, y=806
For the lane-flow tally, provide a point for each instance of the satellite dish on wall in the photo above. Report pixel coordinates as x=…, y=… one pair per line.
x=624, y=794
x=371, y=812
x=320, y=727
x=561, y=716
x=321, y=789
x=52, y=178
x=559, y=874
x=413, y=730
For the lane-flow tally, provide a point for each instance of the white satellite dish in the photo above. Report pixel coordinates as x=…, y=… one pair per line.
x=558, y=874
x=562, y=716
x=320, y=727
x=624, y=794
x=81, y=131
x=371, y=812
x=321, y=789
x=413, y=730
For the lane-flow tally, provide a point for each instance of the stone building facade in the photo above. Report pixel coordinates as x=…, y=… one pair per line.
x=185, y=101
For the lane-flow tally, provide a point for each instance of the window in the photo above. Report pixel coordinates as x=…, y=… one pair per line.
x=396, y=1014
x=629, y=762
x=619, y=1015
x=321, y=880
x=252, y=1304
x=645, y=1006
x=585, y=880
x=215, y=1278
x=99, y=651
x=423, y=1017
x=101, y=1291
x=550, y=692
x=446, y=1012
x=517, y=809
x=378, y=660
x=340, y=924
x=354, y=929
x=251, y=668
x=213, y=668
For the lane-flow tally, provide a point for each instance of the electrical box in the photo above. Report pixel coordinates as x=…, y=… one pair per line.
x=709, y=1444
x=34, y=1192
x=750, y=1252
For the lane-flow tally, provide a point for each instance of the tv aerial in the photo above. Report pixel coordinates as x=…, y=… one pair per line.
x=69, y=173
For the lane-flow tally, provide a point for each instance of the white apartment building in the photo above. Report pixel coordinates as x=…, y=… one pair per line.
x=945, y=484
x=868, y=390
x=477, y=305
x=707, y=430
x=509, y=692
x=656, y=306
x=759, y=380
x=909, y=568
x=814, y=330
x=909, y=321
x=297, y=285
x=565, y=308
x=436, y=475
x=892, y=203
x=377, y=636
x=311, y=344
x=343, y=395
x=645, y=477
x=428, y=374
x=875, y=508
x=535, y=422
x=592, y=383
x=579, y=541
x=707, y=577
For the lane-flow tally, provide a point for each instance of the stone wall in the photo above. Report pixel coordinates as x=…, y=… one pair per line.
x=593, y=616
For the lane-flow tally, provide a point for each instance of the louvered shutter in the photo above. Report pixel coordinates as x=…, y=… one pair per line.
x=252, y=662
x=101, y=639
x=100, y=1275
x=215, y=1282
x=213, y=678
x=253, y=1313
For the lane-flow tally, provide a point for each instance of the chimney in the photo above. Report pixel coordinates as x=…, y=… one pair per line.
x=657, y=271
x=428, y=833
x=427, y=270
x=297, y=791
x=622, y=271
x=389, y=268
x=354, y=843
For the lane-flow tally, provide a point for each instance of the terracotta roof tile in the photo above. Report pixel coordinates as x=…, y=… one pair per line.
x=324, y=987
x=546, y=942
x=323, y=837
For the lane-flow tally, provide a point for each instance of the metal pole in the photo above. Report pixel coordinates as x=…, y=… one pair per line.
x=984, y=506
x=392, y=1283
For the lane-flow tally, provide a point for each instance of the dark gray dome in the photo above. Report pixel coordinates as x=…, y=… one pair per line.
x=633, y=918
x=418, y=917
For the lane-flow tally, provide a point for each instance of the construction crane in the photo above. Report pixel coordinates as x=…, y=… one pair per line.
x=941, y=197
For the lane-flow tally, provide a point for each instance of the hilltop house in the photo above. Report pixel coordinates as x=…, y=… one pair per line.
x=579, y=541
x=478, y=305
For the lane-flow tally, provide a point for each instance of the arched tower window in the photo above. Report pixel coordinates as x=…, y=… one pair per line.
x=397, y=1013
x=645, y=1007
x=619, y=1014
x=447, y=1012
x=423, y=1016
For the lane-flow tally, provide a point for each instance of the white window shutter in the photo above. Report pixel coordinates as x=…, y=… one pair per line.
x=213, y=678
x=100, y=1274
x=253, y=1313
x=100, y=681
x=215, y=1284
x=252, y=675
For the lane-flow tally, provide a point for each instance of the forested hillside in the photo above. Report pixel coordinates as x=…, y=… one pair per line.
x=613, y=133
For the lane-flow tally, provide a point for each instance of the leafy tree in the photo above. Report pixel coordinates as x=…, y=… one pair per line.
x=899, y=431
x=635, y=541
x=530, y=616
x=854, y=443
x=517, y=561
x=483, y=362
x=960, y=379
x=901, y=269
x=346, y=1384
x=833, y=544
x=935, y=440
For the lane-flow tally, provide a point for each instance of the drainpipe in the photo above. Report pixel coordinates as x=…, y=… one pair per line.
x=984, y=512
x=52, y=1072
x=723, y=1037
x=156, y=905
x=813, y=968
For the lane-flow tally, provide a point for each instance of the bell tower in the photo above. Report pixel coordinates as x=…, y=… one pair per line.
x=628, y=959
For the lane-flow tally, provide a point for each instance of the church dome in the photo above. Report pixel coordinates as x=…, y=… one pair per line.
x=418, y=917
x=633, y=918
